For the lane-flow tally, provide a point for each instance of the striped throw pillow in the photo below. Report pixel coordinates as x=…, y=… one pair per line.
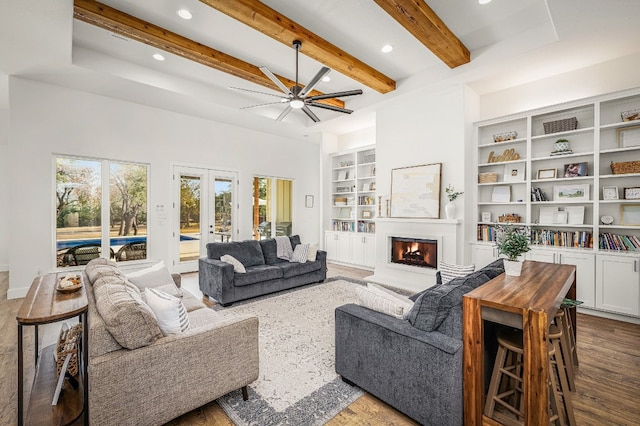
x=169, y=310
x=449, y=271
x=384, y=301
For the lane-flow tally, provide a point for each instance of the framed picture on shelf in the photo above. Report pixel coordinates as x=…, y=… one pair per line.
x=514, y=172
x=547, y=173
x=486, y=217
x=560, y=217
x=571, y=192
x=632, y=193
x=547, y=215
x=575, y=170
x=365, y=187
x=628, y=136
x=345, y=213
x=366, y=214
x=501, y=194
x=630, y=214
x=575, y=215
x=609, y=192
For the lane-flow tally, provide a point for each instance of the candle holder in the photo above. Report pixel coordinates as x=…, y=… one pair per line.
x=379, y=205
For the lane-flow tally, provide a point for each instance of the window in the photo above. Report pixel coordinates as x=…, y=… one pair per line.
x=272, y=203
x=101, y=211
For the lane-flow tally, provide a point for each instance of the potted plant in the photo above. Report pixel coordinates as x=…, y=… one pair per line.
x=512, y=241
x=450, y=208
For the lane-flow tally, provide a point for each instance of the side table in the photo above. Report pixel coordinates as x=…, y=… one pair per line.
x=43, y=305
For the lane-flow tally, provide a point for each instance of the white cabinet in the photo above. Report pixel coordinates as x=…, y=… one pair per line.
x=338, y=246
x=363, y=250
x=483, y=254
x=618, y=284
x=355, y=249
x=585, y=268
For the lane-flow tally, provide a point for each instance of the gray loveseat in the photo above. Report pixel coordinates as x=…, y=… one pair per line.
x=414, y=365
x=265, y=272
x=159, y=377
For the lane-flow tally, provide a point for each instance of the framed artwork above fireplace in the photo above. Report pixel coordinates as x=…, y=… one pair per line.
x=415, y=191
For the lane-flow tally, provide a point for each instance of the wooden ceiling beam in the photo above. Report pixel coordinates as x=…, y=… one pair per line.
x=110, y=19
x=262, y=18
x=422, y=22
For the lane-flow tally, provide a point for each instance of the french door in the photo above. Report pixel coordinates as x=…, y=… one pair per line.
x=204, y=211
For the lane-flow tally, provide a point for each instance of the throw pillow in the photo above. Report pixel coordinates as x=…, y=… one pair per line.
x=449, y=271
x=129, y=320
x=154, y=276
x=402, y=301
x=237, y=265
x=380, y=301
x=434, y=305
x=169, y=310
x=300, y=253
x=312, y=253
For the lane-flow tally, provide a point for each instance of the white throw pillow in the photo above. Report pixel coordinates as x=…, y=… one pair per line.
x=237, y=265
x=312, y=253
x=153, y=277
x=169, y=311
x=449, y=271
x=300, y=253
x=383, y=300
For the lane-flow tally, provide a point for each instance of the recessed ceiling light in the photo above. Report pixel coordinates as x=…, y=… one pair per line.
x=386, y=48
x=184, y=14
x=158, y=57
x=484, y=1
x=326, y=79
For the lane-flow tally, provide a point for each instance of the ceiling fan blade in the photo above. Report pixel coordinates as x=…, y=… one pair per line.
x=314, y=81
x=331, y=107
x=310, y=114
x=262, y=105
x=275, y=79
x=255, y=91
x=335, y=95
x=284, y=113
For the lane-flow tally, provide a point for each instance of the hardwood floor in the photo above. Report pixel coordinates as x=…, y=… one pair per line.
x=607, y=381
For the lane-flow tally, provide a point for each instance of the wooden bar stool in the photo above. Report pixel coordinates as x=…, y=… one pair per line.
x=567, y=346
x=566, y=308
x=505, y=388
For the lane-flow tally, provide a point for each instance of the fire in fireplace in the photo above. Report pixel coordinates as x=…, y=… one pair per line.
x=414, y=252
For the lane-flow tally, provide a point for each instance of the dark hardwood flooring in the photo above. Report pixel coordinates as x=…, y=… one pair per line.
x=607, y=382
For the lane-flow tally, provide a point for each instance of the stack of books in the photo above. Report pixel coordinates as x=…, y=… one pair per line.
x=565, y=152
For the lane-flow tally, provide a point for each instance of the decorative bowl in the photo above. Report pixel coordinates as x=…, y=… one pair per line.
x=561, y=145
x=506, y=136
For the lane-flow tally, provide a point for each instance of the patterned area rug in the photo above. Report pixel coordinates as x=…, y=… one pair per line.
x=297, y=384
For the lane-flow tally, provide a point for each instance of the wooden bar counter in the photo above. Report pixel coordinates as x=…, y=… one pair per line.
x=528, y=302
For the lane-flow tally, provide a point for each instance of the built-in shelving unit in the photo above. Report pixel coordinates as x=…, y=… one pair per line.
x=568, y=209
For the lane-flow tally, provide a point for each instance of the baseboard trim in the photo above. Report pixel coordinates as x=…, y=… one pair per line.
x=17, y=293
x=609, y=315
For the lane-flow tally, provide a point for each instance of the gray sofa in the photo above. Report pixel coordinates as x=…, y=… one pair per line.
x=154, y=378
x=414, y=365
x=265, y=272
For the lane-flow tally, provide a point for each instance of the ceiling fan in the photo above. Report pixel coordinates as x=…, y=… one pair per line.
x=297, y=97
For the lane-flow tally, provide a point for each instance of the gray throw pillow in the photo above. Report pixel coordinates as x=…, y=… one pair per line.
x=434, y=305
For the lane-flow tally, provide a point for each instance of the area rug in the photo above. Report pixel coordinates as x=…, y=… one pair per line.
x=297, y=384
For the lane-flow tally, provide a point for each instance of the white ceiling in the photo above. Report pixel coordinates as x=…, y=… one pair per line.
x=511, y=43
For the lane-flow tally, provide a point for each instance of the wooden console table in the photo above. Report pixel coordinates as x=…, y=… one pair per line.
x=44, y=305
x=528, y=302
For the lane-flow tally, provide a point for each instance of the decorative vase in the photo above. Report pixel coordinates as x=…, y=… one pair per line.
x=512, y=267
x=450, y=210
x=561, y=145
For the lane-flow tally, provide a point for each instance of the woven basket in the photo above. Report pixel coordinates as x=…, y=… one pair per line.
x=560, y=125
x=509, y=218
x=625, y=167
x=487, y=177
x=632, y=115
x=68, y=344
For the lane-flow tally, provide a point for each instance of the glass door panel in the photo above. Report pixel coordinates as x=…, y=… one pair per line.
x=222, y=209
x=272, y=207
x=190, y=229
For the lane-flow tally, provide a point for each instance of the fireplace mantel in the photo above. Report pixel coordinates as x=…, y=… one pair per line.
x=418, y=220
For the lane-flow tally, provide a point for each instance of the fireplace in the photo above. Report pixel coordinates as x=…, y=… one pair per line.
x=414, y=252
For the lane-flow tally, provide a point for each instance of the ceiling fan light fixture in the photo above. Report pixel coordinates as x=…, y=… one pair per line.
x=184, y=14
x=296, y=103
x=326, y=79
x=484, y=1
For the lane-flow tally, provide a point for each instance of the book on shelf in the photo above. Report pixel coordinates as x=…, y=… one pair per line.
x=609, y=241
x=555, y=238
x=538, y=195
x=486, y=233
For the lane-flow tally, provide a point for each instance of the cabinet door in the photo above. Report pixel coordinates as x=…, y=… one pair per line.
x=363, y=250
x=618, y=284
x=343, y=248
x=548, y=256
x=482, y=255
x=331, y=245
x=585, y=278
x=370, y=251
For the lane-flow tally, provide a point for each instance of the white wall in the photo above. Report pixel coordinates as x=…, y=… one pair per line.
x=4, y=190
x=607, y=77
x=47, y=120
x=423, y=128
